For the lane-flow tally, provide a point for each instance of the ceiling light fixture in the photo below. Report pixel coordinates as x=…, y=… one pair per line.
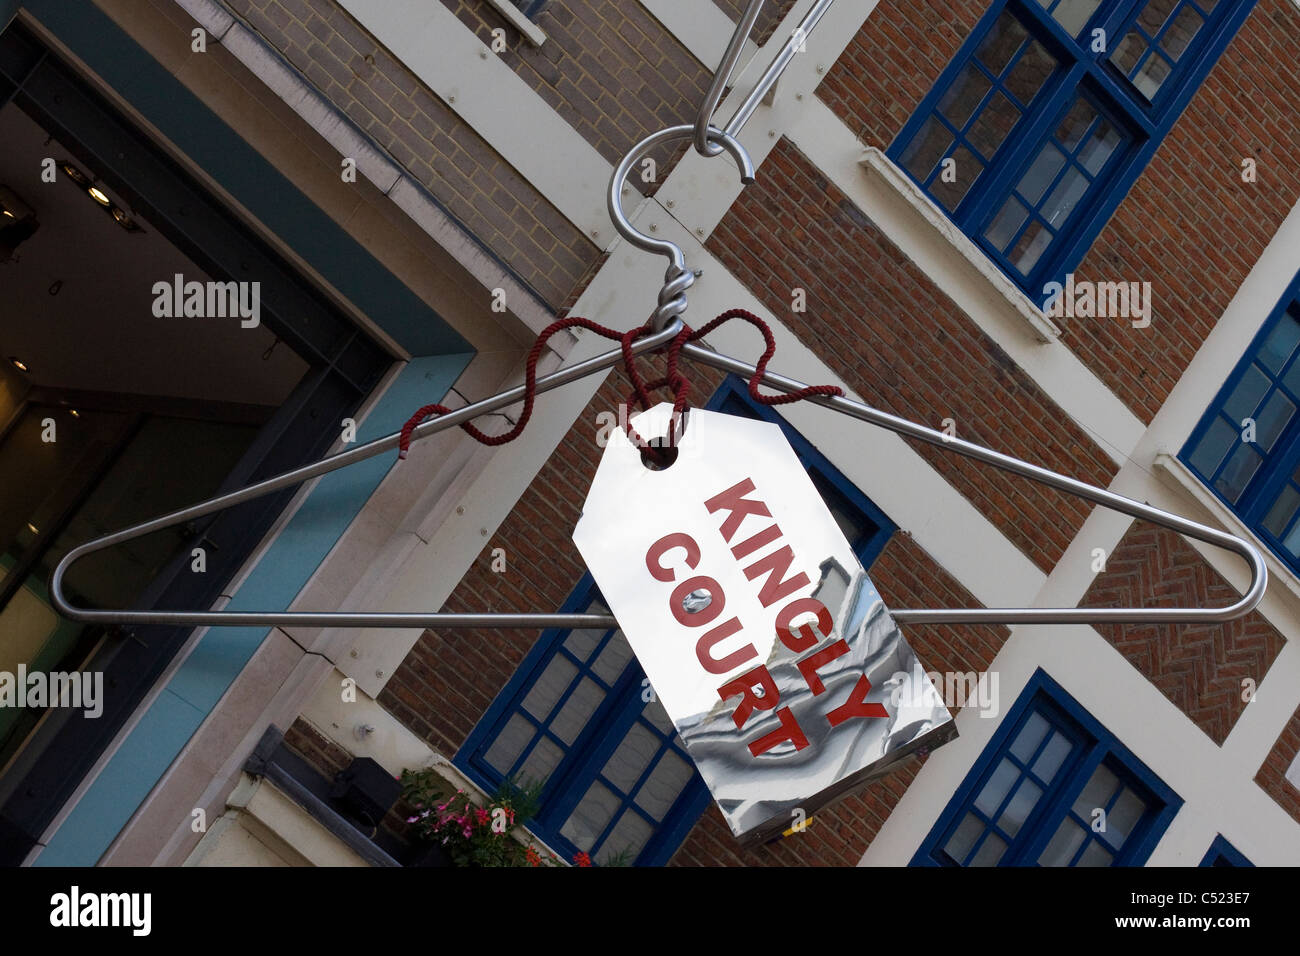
x=18, y=363
x=87, y=184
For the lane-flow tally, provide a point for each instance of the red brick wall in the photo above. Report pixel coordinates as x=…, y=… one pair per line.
x=428, y=139
x=1190, y=226
x=1272, y=773
x=1198, y=667
x=610, y=69
x=884, y=327
x=451, y=677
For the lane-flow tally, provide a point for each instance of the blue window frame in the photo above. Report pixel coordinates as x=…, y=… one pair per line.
x=1043, y=120
x=575, y=715
x=1223, y=853
x=1053, y=788
x=1246, y=448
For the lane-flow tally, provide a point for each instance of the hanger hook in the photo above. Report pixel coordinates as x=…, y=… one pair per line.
x=702, y=130
x=672, y=300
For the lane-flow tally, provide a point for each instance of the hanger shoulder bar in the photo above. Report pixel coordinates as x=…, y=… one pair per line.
x=846, y=406
x=1072, y=486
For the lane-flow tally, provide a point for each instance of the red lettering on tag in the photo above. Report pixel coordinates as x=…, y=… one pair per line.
x=789, y=730
x=775, y=565
x=807, y=637
x=734, y=501
x=750, y=545
x=744, y=685
x=704, y=615
x=653, y=557
x=808, y=666
x=705, y=645
x=856, y=705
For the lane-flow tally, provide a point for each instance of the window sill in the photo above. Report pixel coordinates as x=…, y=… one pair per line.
x=1181, y=478
x=886, y=174
x=531, y=31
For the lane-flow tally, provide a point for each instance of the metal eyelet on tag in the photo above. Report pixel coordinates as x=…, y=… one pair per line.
x=771, y=651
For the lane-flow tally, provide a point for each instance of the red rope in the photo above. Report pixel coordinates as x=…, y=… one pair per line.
x=641, y=389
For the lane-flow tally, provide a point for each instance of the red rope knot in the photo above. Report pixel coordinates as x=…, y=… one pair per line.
x=642, y=391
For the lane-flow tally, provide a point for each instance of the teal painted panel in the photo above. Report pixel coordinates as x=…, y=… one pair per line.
x=240, y=169
x=141, y=760
x=223, y=652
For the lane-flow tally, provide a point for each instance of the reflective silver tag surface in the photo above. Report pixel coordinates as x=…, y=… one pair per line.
x=769, y=647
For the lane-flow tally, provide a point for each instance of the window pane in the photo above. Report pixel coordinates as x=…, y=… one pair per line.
x=1041, y=174
x=1022, y=804
x=1064, y=197
x=1244, y=399
x=623, y=768
x=1211, y=449
x=1074, y=15
x=1002, y=43
x=1030, y=246
x=925, y=150
x=960, y=843
x=1006, y=224
x=1236, y=474
x=1270, y=422
x=541, y=762
x=583, y=641
x=1095, y=855
x=990, y=851
x=1152, y=75
x=1181, y=32
x=1128, y=52
x=613, y=658
x=655, y=713
x=1123, y=816
x=1096, y=792
x=568, y=723
x=1154, y=15
x=1292, y=542
x=664, y=785
x=1030, y=73
x=1105, y=138
x=1283, y=510
x=510, y=743
x=964, y=95
x=995, y=791
x=1030, y=736
x=590, y=816
x=993, y=124
x=550, y=686
x=1279, y=344
x=1053, y=755
x=627, y=839
x=1076, y=124
x=1063, y=845
x=966, y=169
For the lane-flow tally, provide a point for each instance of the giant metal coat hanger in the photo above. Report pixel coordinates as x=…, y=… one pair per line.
x=709, y=140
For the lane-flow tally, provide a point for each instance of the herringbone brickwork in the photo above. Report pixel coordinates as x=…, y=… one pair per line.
x=1272, y=773
x=1200, y=667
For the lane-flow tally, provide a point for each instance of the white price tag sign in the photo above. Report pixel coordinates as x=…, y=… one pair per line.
x=766, y=642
